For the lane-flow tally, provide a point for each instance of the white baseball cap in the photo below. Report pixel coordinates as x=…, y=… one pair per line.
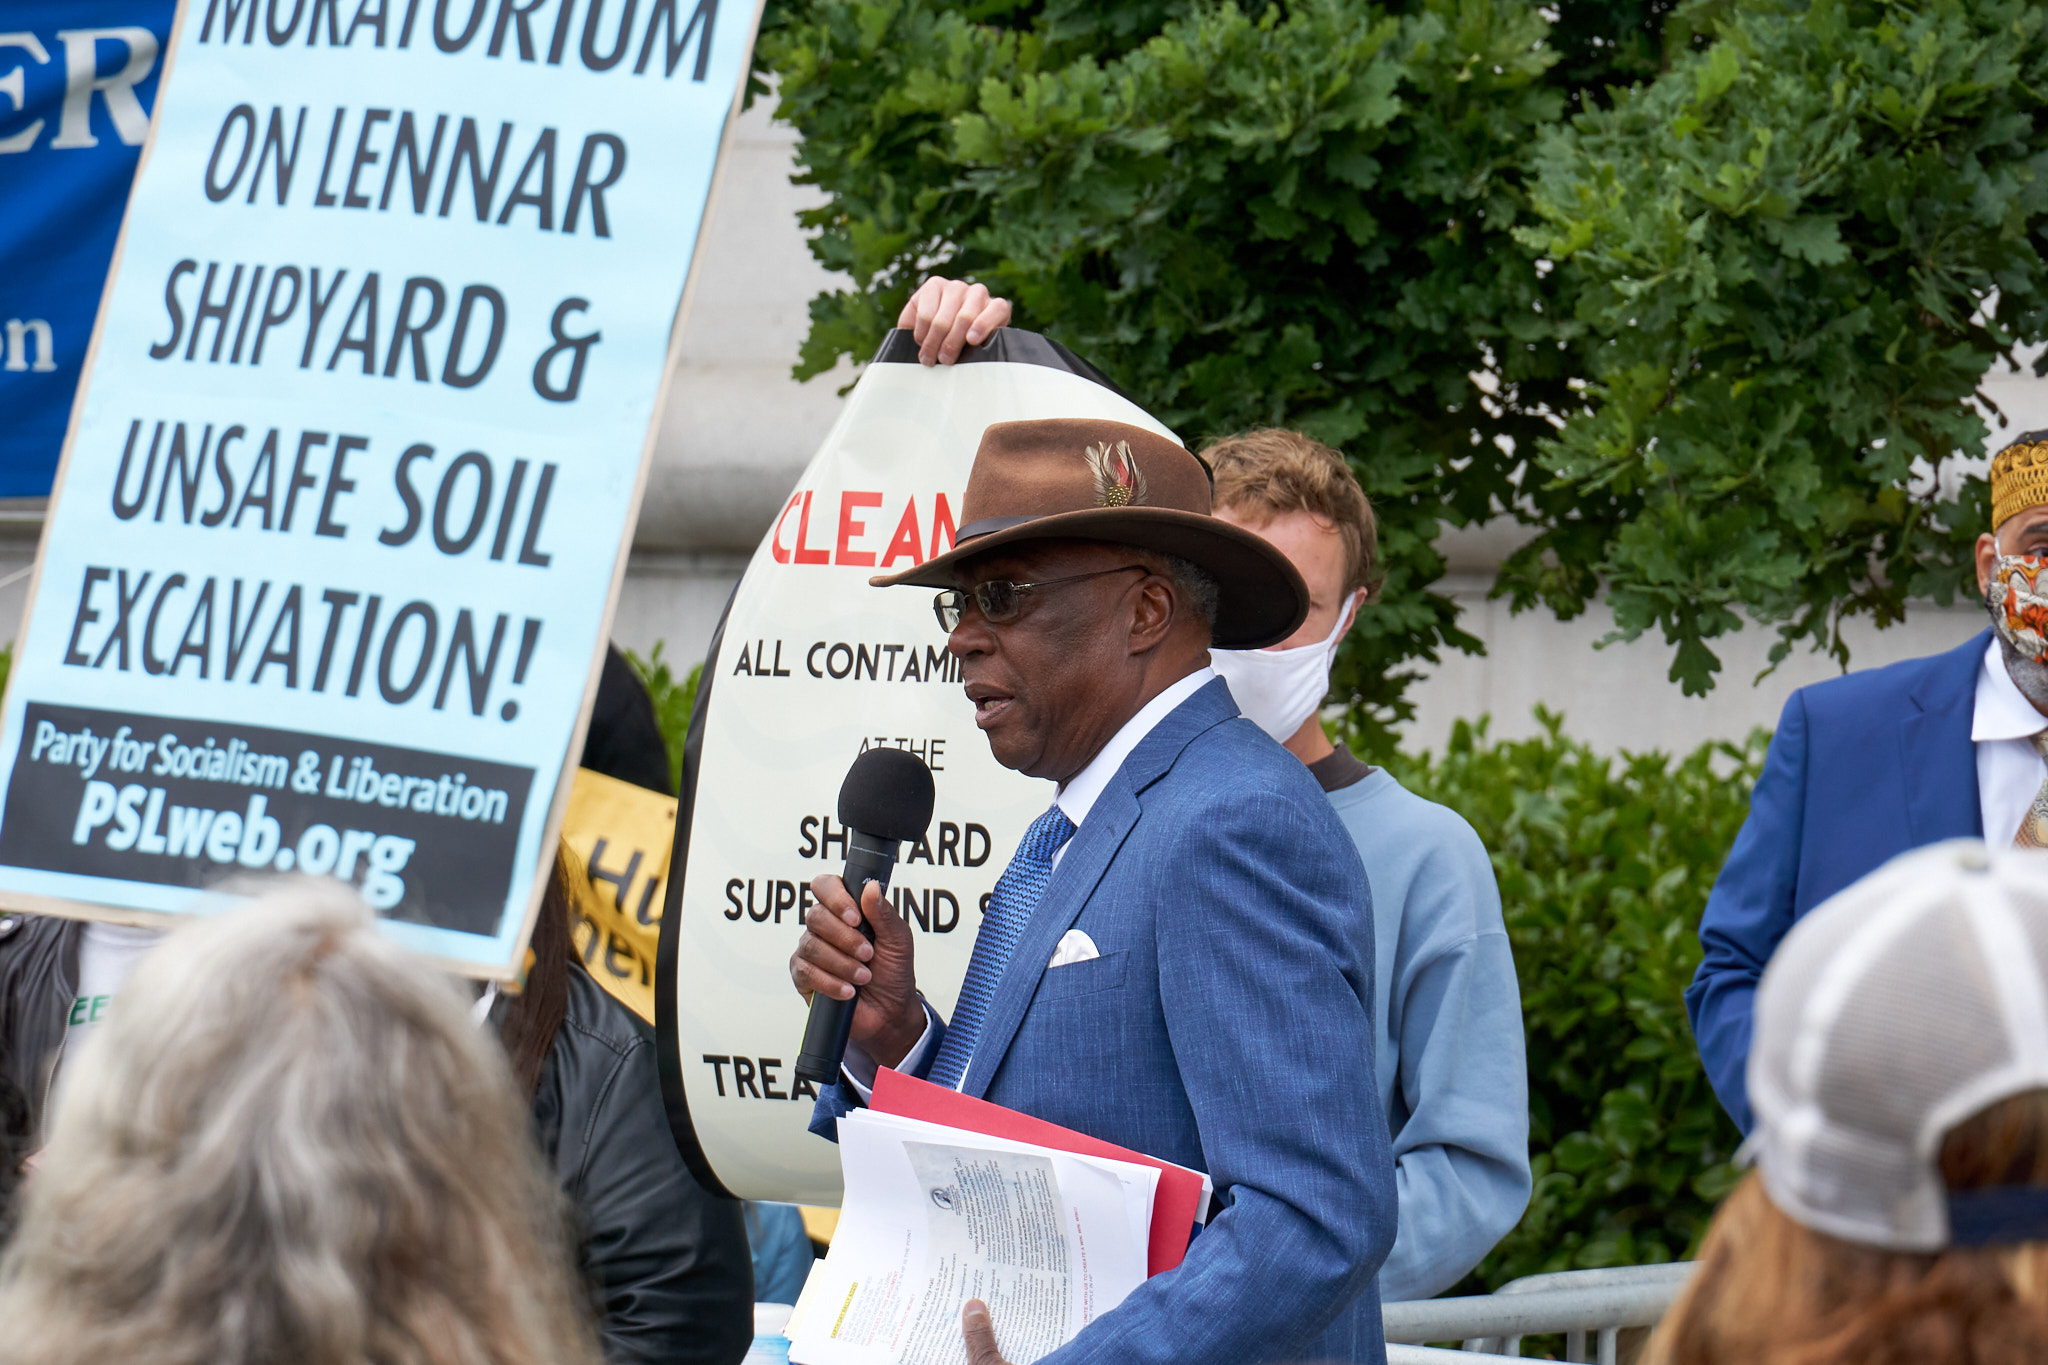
x=1896, y=1009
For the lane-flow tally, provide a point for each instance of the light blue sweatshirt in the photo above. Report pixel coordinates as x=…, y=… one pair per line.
x=1447, y=1028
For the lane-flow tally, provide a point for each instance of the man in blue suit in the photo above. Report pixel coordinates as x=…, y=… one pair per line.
x=1168, y=962
x=1864, y=767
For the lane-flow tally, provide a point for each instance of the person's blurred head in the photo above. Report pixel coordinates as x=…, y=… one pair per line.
x=1899, y=1071
x=290, y=1142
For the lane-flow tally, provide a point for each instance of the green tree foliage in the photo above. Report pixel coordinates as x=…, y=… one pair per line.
x=1296, y=217
x=1605, y=45
x=1794, y=257
x=1745, y=256
x=1604, y=867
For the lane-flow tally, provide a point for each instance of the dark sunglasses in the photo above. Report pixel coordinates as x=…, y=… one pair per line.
x=1000, y=600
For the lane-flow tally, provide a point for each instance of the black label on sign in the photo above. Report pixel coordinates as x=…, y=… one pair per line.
x=423, y=837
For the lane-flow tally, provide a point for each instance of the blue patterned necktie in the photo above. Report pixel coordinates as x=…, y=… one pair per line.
x=1009, y=910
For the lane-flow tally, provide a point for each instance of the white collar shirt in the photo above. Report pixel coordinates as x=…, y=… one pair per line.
x=2009, y=770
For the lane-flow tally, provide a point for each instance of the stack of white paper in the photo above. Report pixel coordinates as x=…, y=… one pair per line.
x=935, y=1216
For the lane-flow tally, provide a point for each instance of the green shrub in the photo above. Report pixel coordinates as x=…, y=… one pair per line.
x=1604, y=867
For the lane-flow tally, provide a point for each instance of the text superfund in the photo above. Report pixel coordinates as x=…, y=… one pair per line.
x=861, y=528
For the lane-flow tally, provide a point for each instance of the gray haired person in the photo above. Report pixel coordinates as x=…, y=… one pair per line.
x=291, y=1143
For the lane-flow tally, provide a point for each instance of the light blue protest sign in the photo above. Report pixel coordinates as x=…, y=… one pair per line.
x=343, y=510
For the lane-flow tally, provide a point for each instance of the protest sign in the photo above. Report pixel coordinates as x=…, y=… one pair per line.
x=811, y=667
x=77, y=81
x=622, y=835
x=345, y=498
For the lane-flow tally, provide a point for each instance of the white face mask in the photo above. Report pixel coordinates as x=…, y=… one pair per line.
x=1278, y=689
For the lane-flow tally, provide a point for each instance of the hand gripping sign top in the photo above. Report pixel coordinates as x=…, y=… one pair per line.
x=810, y=667
x=345, y=498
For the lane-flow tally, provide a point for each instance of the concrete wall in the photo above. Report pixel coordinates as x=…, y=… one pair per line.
x=1619, y=697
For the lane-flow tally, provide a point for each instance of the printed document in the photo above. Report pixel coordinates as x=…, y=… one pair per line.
x=935, y=1216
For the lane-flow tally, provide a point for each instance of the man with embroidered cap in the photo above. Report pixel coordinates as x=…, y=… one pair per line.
x=1865, y=767
x=1167, y=962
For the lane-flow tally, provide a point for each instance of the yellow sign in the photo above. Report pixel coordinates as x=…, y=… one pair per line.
x=622, y=834
x=819, y=1224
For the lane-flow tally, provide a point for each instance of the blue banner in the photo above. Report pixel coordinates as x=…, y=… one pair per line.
x=78, y=79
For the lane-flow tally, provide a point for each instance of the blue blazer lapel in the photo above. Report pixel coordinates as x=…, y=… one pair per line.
x=1938, y=760
x=1087, y=858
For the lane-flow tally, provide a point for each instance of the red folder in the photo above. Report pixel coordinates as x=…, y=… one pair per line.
x=1175, y=1204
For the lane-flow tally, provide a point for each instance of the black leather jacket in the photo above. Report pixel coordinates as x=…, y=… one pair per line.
x=38, y=978
x=667, y=1263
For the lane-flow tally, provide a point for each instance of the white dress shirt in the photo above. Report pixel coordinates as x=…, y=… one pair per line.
x=2009, y=770
x=1075, y=799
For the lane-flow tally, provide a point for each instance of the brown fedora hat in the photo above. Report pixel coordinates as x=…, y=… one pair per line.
x=1067, y=478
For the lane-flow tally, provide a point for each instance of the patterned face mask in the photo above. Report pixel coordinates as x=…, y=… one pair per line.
x=2019, y=611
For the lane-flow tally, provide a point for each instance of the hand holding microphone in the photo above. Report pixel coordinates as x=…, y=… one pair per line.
x=854, y=960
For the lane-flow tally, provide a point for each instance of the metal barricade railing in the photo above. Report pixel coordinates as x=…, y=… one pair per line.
x=1398, y=1354
x=1602, y=1304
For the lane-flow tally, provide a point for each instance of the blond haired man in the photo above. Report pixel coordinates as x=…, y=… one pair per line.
x=1447, y=1015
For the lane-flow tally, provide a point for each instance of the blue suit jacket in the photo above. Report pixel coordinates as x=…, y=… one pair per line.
x=1225, y=1026
x=1862, y=769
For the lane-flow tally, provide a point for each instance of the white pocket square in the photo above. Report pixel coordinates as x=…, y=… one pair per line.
x=1075, y=946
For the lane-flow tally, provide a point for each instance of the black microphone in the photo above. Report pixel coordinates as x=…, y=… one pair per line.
x=886, y=799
